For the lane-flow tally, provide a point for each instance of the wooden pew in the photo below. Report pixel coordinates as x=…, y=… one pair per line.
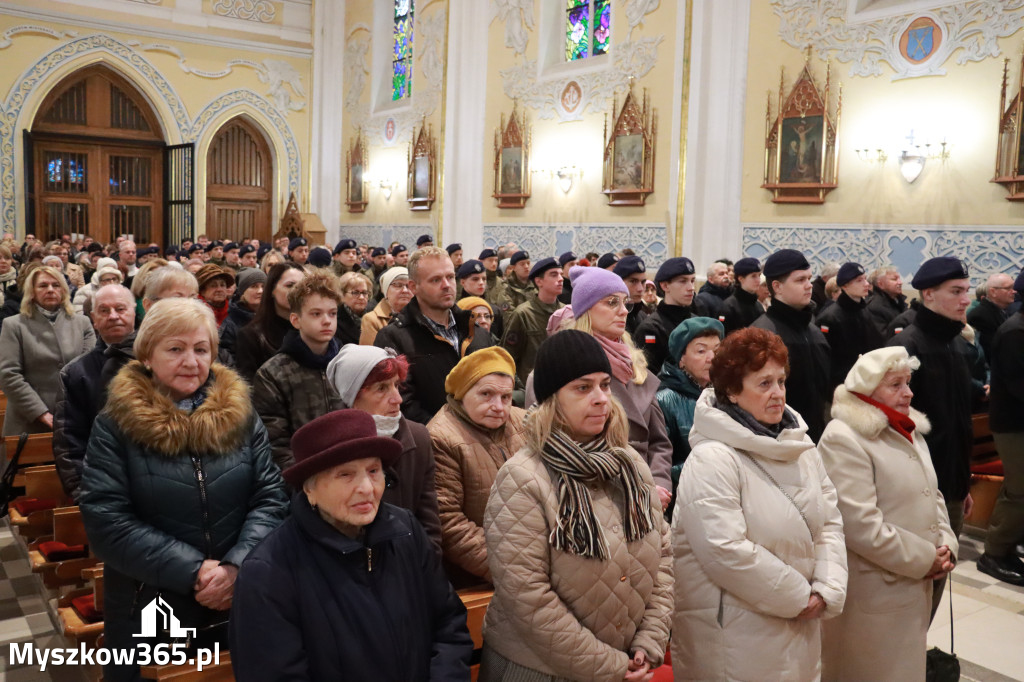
x=68, y=529
x=219, y=672
x=476, y=599
x=41, y=483
x=38, y=450
x=986, y=472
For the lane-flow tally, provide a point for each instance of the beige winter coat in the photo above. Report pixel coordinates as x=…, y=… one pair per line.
x=562, y=614
x=467, y=460
x=894, y=517
x=745, y=560
x=373, y=321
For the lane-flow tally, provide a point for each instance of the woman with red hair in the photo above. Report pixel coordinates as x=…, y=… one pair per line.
x=369, y=378
x=760, y=556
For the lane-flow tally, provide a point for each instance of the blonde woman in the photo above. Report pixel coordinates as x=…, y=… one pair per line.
x=578, y=549
x=599, y=302
x=35, y=345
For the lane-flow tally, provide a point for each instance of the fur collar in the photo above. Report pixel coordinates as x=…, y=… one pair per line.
x=150, y=418
x=868, y=420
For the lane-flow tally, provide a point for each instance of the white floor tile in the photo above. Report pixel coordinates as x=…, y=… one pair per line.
x=990, y=637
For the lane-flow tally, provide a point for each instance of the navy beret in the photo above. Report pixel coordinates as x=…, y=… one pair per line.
x=424, y=239
x=674, y=267
x=542, y=266
x=248, y=248
x=606, y=260
x=319, y=257
x=452, y=248
x=470, y=267
x=192, y=249
x=230, y=246
x=849, y=272
x=566, y=257
x=297, y=242
x=1018, y=284
x=211, y=246
x=147, y=251
x=519, y=256
x=262, y=251
x=378, y=251
x=935, y=271
x=783, y=262
x=488, y=253
x=344, y=245
x=399, y=248
x=630, y=265
x=746, y=266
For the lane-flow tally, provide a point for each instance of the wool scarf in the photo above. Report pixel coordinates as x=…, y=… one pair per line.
x=619, y=357
x=900, y=423
x=578, y=531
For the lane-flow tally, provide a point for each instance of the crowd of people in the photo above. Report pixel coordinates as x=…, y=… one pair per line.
x=306, y=451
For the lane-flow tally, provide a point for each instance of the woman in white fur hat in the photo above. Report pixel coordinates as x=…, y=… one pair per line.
x=898, y=537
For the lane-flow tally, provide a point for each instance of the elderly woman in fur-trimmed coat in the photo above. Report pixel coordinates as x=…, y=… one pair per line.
x=898, y=538
x=179, y=484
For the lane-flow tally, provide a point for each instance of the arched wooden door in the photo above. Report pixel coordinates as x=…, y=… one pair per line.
x=238, y=184
x=95, y=161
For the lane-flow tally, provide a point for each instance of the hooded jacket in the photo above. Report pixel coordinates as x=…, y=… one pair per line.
x=894, y=518
x=746, y=562
x=164, y=489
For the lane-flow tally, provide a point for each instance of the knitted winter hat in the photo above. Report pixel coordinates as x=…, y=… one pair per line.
x=590, y=285
x=565, y=357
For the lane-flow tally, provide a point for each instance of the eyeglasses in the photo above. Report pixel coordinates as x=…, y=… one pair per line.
x=401, y=285
x=358, y=294
x=614, y=302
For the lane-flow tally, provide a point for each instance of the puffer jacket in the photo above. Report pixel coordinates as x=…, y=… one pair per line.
x=164, y=489
x=290, y=390
x=746, y=562
x=894, y=517
x=677, y=399
x=562, y=614
x=468, y=458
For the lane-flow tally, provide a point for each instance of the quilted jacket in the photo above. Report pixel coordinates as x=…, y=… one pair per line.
x=745, y=558
x=562, y=614
x=468, y=458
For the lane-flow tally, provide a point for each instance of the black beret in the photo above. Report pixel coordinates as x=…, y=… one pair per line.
x=674, y=267
x=262, y=251
x=424, y=239
x=169, y=252
x=630, y=265
x=248, y=248
x=542, y=266
x=1018, y=284
x=297, y=242
x=935, y=271
x=147, y=251
x=783, y=262
x=192, y=249
x=344, y=245
x=319, y=257
x=470, y=267
x=378, y=251
x=94, y=247
x=212, y=245
x=230, y=246
x=566, y=257
x=849, y=272
x=452, y=248
x=606, y=260
x=519, y=256
x=488, y=253
x=746, y=266
x=399, y=248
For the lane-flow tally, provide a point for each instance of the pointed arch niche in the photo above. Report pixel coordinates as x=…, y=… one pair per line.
x=239, y=182
x=95, y=160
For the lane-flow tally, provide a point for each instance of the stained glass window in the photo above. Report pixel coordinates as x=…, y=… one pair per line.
x=401, y=59
x=587, y=28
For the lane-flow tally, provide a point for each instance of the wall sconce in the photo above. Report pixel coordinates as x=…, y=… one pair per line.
x=912, y=162
x=872, y=155
x=911, y=166
x=386, y=187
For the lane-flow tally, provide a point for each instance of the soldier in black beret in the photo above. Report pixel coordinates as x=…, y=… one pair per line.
x=675, y=280
x=526, y=326
x=742, y=307
x=847, y=325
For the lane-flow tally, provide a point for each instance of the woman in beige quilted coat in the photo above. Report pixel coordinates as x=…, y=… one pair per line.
x=898, y=539
x=759, y=551
x=579, y=552
x=473, y=435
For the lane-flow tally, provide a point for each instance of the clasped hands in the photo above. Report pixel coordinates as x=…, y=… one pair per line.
x=215, y=584
x=942, y=565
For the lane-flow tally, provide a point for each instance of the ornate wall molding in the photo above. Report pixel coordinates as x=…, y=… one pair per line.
x=357, y=47
x=5, y=37
x=594, y=90
x=261, y=11
x=149, y=2
x=984, y=249
x=649, y=240
x=383, y=234
x=970, y=28
x=517, y=15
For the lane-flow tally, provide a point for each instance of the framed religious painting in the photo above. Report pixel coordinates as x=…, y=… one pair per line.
x=800, y=162
x=1010, y=150
x=355, y=169
x=422, y=160
x=629, y=152
x=512, y=161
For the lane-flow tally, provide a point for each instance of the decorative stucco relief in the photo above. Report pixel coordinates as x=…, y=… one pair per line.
x=517, y=15
x=261, y=11
x=5, y=37
x=357, y=47
x=972, y=29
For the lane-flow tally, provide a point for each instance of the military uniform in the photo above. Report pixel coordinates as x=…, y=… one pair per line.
x=525, y=330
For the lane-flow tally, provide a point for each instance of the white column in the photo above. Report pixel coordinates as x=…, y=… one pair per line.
x=714, y=163
x=325, y=166
x=464, y=124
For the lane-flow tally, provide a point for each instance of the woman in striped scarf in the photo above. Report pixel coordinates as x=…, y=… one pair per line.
x=578, y=549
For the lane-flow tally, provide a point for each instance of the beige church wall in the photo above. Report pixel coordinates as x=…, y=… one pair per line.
x=874, y=216
x=195, y=79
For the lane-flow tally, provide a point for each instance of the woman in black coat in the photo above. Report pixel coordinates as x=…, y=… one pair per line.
x=347, y=588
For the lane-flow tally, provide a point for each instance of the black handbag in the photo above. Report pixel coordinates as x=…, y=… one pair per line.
x=943, y=667
x=7, y=490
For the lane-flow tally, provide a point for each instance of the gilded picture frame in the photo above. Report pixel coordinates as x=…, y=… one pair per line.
x=355, y=172
x=512, y=161
x=422, y=182
x=629, y=152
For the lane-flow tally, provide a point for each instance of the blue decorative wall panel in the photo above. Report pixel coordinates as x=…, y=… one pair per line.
x=649, y=241
x=383, y=235
x=985, y=249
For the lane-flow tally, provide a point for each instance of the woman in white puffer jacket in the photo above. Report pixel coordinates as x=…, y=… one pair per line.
x=759, y=551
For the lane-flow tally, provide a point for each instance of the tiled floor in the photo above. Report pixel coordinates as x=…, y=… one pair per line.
x=988, y=616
